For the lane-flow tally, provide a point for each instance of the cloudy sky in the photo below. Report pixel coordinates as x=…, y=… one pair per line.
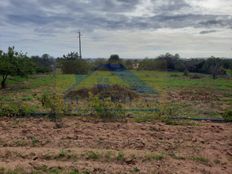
x=130, y=28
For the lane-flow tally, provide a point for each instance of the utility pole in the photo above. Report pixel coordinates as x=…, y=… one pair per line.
x=80, y=51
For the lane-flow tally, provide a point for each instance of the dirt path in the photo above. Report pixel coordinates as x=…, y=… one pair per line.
x=96, y=147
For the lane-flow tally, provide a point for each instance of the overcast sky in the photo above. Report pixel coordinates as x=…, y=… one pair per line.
x=130, y=28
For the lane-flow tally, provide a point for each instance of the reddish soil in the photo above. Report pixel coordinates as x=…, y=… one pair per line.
x=73, y=143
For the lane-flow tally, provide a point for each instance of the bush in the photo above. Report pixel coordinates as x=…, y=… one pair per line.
x=227, y=116
x=16, y=110
x=105, y=109
x=78, y=66
x=55, y=103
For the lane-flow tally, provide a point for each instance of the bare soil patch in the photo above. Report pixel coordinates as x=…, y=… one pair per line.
x=97, y=147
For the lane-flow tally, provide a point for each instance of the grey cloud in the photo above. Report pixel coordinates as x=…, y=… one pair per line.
x=208, y=31
x=104, y=14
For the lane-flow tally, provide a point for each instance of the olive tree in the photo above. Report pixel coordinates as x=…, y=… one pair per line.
x=14, y=63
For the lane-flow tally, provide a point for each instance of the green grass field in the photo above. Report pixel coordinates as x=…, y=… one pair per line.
x=177, y=95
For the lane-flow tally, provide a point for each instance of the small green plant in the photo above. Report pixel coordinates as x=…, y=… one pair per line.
x=135, y=170
x=202, y=160
x=51, y=101
x=34, y=141
x=54, y=103
x=16, y=109
x=90, y=155
x=120, y=157
x=177, y=157
x=106, y=109
x=227, y=116
x=153, y=156
x=62, y=153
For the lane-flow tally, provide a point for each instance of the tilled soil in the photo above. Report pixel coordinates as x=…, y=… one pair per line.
x=98, y=147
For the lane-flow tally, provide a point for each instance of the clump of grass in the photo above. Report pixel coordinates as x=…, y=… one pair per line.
x=177, y=157
x=135, y=170
x=16, y=109
x=105, y=109
x=62, y=153
x=34, y=141
x=91, y=155
x=15, y=171
x=21, y=143
x=120, y=157
x=27, y=98
x=227, y=116
x=202, y=160
x=153, y=156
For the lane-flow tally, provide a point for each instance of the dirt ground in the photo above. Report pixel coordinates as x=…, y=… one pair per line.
x=105, y=148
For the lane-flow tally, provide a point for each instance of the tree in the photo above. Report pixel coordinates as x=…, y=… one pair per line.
x=114, y=59
x=43, y=64
x=72, y=64
x=13, y=63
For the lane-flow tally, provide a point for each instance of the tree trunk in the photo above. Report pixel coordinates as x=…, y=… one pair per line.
x=3, y=83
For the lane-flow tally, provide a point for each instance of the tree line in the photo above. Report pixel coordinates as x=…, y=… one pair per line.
x=13, y=63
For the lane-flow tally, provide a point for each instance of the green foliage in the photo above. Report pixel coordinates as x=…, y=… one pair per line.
x=227, y=116
x=14, y=63
x=153, y=64
x=114, y=59
x=53, y=102
x=72, y=64
x=201, y=160
x=16, y=109
x=90, y=155
x=106, y=109
x=43, y=64
x=156, y=157
x=120, y=157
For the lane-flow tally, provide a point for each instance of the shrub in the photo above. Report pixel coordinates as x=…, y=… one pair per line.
x=55, y=103
x=106, y=109
x=75, y=66
x=227, y=116
x=16, y=109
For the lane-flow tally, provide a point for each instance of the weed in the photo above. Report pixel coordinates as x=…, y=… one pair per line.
x=227, y=116
x=156, y=157
x=177, y=157
x=27, y=98
x=120, y=157
x=90, y=155
x=55, y=103
x=16, y=109
x=21, y=143
x=34, y=141
x=202, y=160
x=75, y=172
x=106, y=109
x=62, y=153
x=135, y=170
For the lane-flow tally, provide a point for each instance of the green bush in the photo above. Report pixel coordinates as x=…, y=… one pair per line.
x=55, y=103
x=227, y=116
x=105, y=109
x=16, y=109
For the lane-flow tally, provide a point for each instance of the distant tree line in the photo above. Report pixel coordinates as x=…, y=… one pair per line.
x=14, y=63
x=169, y=62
